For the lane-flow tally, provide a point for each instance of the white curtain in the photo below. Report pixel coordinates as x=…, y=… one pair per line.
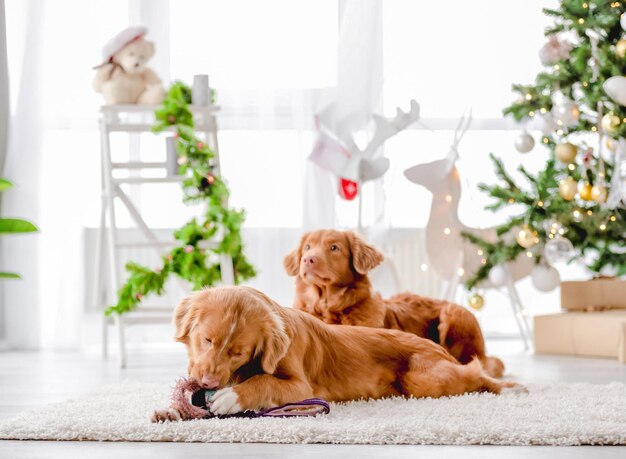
x=53, y=154
x=22, y=299
x=357, y=96
x=52, y=159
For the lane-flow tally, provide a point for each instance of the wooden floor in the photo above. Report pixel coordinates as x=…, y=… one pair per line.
x=29, y=380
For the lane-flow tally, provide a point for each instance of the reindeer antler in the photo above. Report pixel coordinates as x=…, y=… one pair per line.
x=386, y=129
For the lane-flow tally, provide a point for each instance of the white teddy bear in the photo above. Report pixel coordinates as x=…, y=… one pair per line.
x=123, y=77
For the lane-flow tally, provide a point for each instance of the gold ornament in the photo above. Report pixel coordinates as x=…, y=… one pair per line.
x=610, y=122
x=620, y=48
x=568, y=188
x=527, y=237
x=599, y=193
x=584, y=190
x=566, y=152
x=476, y=302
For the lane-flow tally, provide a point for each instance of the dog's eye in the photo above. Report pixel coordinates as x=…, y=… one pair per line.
x=208, y=340
x=307, y=247
x=333, y=248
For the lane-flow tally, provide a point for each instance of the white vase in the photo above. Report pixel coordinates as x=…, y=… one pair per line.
x=200, y=93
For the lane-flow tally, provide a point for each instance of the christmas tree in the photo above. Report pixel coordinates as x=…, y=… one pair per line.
x=573, y=209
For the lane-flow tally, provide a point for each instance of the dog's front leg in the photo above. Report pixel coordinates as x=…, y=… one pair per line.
x=259, y=392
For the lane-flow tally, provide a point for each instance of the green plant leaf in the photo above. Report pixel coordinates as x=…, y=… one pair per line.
x=5, y=184
x=4, y=275
x=16, y=225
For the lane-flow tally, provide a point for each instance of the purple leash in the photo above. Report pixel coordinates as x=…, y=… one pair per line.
x=308, y=407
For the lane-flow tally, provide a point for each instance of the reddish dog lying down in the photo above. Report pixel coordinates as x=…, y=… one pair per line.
x=332, y=284
x=259, y=354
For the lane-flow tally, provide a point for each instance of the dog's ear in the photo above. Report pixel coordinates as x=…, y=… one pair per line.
x=291, y=261
x=275, y=339
x=364, y=256
x=183, y=319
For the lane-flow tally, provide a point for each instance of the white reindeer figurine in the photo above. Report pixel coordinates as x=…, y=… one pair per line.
x=450, y=255
x=335, y=149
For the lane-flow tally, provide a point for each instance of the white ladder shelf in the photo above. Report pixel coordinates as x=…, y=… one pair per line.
x=137, y=119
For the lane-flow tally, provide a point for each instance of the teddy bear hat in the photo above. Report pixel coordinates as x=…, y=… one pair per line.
x=120, y=40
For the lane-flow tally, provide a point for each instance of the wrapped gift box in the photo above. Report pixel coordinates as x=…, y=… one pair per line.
x=609, y=293
x=595, y=334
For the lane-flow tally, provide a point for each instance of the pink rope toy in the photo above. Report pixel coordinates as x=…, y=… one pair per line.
x=192, y=402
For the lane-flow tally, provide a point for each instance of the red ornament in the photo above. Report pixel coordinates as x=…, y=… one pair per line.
x=348, y=189
x=200, y=145
x=171, y=119
x=211, y=179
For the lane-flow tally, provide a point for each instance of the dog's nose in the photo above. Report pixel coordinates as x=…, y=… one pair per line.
x=210, y=382
x=309, y=260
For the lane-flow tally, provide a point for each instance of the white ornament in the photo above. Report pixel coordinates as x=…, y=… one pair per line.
x=524, y=143
x=543, y=122
x=545, y=278
x=558, y=249
x=498, y=276
x=615, y=87
x=622, y=21
x=554, y=50
x=566, y=113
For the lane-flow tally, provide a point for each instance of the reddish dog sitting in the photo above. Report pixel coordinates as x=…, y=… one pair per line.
x=331, y=283
x=259, y=354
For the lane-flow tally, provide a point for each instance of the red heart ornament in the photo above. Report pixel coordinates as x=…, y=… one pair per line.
x=348, y=189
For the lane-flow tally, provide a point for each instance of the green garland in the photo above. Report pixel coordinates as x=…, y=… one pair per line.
x=190, y=260
x=597, y=233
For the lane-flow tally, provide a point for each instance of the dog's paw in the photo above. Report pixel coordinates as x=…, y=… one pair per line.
x=170, y=414
x=517, y=389
x=225, y=401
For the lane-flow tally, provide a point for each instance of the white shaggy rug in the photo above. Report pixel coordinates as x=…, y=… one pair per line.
x=559, y=414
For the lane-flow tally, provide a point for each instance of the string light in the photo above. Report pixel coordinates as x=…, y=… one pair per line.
x=551, y=236
x=602, y=227
x=446, y=231
x=576, y=213
x=460, y=272
x=561, y=231
x=531, y=114
x=594, y=129
x=571, y=167
x=479, y=252
x=613, y=218
x=448, y=198
x=543, y=110
x=581, y=21
x=528, y=97
x=511, y=200
x=539, y=203
x=585, y=84
x=545, y=140
x=560, y=132
x=585, y=5
x=483, y=261
x=556, y=67
x=589, y=212
x=424, y=267
x=529, y=254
